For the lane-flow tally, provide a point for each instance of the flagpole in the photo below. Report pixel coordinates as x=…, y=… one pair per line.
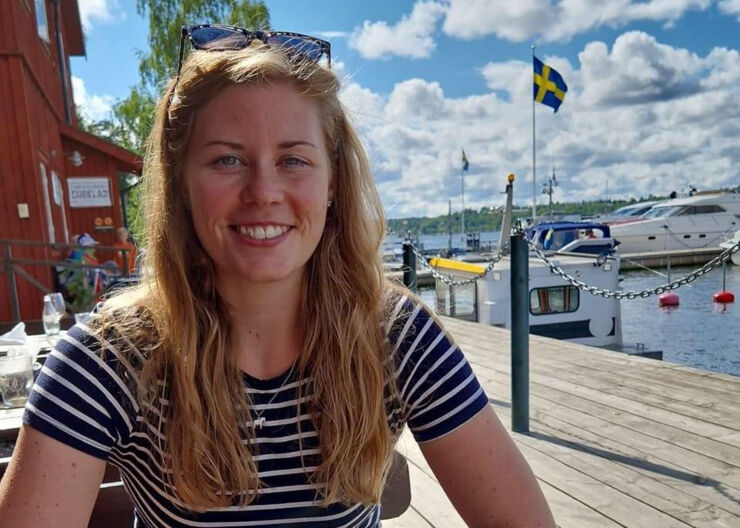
x=462, y=213
x=534, y=164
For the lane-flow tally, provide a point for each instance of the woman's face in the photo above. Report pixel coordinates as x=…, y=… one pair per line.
x=258, y=178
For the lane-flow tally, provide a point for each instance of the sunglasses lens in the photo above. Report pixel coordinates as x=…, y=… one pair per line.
x=297, y=45
x=216, y=38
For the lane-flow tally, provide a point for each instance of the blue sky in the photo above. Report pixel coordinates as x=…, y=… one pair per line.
x=652, y=104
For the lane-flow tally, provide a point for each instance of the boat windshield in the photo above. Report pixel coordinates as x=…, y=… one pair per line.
x=626, y=211
x=662, y=212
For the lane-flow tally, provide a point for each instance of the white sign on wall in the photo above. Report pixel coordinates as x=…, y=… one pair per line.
x=89, y=192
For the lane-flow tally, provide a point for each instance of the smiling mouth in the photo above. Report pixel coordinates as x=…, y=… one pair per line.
x=261, y=232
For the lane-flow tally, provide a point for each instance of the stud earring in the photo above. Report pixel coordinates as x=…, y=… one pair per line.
x=328, y=204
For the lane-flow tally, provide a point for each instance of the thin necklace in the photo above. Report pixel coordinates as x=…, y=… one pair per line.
x=261, y=420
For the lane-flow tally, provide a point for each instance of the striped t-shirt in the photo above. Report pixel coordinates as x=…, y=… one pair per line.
x=84, y=401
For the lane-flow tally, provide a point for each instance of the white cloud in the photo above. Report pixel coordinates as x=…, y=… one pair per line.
x=553, y=20
x=92, y=107
x=649, y=117
x=638, y=69
x=731, y=7
x=411, y=37
x=99, y=11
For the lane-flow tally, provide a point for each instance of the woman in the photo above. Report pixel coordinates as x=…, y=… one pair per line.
x=262, y=371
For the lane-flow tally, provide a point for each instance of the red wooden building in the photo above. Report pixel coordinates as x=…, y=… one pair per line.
x=56, y=180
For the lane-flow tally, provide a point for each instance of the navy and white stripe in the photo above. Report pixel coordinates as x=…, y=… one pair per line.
x=86, y=399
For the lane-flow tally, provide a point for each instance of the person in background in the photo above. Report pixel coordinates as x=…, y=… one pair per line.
x=264, y=369
x=125, y=260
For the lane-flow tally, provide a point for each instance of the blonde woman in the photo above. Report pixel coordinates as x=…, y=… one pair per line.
x=262, y=371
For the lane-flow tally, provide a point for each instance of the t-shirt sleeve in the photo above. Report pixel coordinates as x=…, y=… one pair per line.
x=438, y=389
x=79, y=397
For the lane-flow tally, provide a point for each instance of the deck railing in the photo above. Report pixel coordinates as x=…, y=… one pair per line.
x=12, y=267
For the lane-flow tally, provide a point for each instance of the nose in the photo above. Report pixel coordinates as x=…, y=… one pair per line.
x=261, y=186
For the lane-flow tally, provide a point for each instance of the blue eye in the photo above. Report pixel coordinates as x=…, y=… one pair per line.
x=292, y=161
x=228, y=161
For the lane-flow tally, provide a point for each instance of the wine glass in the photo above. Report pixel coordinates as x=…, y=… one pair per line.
x=57, y=301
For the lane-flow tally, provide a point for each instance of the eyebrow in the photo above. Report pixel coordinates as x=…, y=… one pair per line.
x=283, y=145
x=231, y=144
x=294, y=143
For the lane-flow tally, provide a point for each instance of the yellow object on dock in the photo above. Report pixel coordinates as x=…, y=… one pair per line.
x=442, y=264
x=615, y=441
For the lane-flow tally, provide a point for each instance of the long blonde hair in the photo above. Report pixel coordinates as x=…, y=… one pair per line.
x=178, y=319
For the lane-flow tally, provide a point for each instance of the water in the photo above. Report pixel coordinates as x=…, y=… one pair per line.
x=698, y=333
x=442, y=241
x=51, y=324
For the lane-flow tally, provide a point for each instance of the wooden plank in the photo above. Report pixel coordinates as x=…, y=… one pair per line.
x=10, y=423
x=661, y=486
x=567, y=511
x=697, y=438
x=430, y=501
x=570, y=513
x=628, y=401
x=410, y=519
x=710, y=467
x=612, y=503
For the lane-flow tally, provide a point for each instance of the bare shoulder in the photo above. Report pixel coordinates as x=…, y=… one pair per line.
x=48, y=483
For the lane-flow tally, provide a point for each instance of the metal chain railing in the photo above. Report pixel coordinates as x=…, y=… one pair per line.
x=447, y=280
x=557, y=270
x=691, y=277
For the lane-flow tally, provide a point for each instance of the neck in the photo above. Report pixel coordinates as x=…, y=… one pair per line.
x=264, y=318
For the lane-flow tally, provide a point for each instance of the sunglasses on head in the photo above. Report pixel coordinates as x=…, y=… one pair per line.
x=216, y=37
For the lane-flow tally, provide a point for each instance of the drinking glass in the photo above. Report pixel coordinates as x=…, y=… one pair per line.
x=50, y=317
x=57, y=301
x=16, y=379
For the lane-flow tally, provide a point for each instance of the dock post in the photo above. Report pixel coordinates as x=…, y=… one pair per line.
x=409, y=266
x=519, y=334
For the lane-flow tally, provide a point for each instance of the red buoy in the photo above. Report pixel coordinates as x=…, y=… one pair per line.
x=668, y=299
x=723, y=297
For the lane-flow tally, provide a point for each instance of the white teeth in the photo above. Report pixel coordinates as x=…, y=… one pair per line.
x=262, y=233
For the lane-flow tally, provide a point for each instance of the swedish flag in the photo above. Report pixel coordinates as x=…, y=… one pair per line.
x=549, y=86
x=465, y=162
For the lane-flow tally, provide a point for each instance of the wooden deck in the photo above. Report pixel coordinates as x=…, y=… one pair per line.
x=615, y=441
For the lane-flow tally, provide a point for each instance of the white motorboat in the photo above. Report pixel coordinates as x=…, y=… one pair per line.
x=556, y=309
x=727, y=244
x=628, y=213
x=694, y=222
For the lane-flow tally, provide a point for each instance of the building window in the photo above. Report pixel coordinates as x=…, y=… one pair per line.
x=42, y=23
x=556, y=299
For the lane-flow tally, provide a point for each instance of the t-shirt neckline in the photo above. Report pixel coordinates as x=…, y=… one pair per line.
x=271, y=383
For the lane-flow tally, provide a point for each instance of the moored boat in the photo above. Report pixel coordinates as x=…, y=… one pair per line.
x=727, y=244
x=695, y=222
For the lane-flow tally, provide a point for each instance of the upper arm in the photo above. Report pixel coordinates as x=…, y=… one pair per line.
x=486, y=477
x=48, y=483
